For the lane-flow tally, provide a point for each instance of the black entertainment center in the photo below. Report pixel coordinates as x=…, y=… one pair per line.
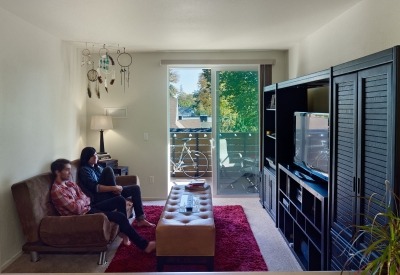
x=329, y=137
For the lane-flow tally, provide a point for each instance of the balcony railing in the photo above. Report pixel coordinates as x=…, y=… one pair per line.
x=244, y=143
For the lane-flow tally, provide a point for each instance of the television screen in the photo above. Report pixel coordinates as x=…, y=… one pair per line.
x=312, y=142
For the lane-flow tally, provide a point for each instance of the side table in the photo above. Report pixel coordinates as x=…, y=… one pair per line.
x=120, y=170
x=108, y=162
x=113, y=163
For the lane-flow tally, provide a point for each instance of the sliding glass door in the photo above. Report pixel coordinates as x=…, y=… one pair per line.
x=236, y=124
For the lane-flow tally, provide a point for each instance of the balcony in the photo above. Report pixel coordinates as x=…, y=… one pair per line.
x=244, y=143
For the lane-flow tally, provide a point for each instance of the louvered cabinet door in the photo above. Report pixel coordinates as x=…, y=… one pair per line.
x=344, y=130
x=374, y=140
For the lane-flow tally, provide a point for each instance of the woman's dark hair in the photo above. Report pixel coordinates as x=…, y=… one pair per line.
x=86, y=154
x=58, y=165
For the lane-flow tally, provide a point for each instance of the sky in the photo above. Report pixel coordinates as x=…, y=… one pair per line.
x=188, y=78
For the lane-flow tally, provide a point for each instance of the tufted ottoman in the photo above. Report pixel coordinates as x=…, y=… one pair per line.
x=186, y=238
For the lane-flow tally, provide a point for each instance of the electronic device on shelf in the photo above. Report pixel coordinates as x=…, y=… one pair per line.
x=285, y=203
x=299, y=195
x=303, y=176
x=103, y=157
x=271, y=162
x=311, y=143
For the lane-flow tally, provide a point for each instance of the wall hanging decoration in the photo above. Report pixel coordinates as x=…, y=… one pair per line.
x=116, y=112
x=92, y=76
x=86, y=55
x=106, y=66
x=125, y=60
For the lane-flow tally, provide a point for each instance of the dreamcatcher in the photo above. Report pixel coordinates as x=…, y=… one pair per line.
x=106, y=66
x=124, y=60
x=86, y=55
x=92, y=76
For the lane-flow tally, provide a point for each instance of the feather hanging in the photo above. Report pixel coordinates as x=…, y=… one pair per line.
x=105, y=84
x=99, y=76
x=97, y=90
x=112, y=60
x=89, y=92
x=112, y=78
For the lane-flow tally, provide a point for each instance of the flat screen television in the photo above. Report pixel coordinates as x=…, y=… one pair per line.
x=311, y=144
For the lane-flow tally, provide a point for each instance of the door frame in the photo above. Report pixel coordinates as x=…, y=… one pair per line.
x=215, y=114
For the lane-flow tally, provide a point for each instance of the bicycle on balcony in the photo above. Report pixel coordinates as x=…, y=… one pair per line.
x=193, y=163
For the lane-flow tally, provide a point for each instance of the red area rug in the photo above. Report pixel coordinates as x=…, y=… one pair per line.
x=235, y=250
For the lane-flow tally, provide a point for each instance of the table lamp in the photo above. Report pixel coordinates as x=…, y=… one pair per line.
x=101, y=123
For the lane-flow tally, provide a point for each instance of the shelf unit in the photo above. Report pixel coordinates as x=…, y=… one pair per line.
x=268, y=148
x=309, y=93
x=295, y=95
x=269, y=128
x=302, y=217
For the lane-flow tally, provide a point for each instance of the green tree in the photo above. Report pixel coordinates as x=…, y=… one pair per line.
x=185, y=100
x=173, y=78
x=202, y=97
x=238, y=101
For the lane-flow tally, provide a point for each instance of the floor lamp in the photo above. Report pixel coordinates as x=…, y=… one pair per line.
x=101, y=123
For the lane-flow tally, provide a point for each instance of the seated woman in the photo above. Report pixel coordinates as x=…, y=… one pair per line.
x=102, y=185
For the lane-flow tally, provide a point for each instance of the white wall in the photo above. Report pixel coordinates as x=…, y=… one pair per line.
x=368, y=27
x=43, y=114
x=147, y=103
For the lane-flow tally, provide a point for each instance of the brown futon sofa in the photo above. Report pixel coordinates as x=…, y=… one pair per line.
x=46, y=231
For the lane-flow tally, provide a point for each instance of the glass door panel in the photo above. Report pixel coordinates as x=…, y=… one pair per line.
x=237, y=131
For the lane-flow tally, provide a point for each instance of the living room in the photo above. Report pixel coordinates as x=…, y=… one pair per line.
x=45, y=111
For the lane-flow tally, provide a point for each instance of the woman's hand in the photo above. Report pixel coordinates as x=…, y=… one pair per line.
x=117, y=190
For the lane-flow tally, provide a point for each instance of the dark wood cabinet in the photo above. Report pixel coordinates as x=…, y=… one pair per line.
x=363, y=133
x=269, y=187
x=300, y=232
x=363, y=101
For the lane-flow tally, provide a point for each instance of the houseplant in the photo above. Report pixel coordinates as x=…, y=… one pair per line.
x=382, y=255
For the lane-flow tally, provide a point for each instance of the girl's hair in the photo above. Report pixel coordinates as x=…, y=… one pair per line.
x=86, y=154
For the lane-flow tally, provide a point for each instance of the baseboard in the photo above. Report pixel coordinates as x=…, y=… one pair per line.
x=10, y=261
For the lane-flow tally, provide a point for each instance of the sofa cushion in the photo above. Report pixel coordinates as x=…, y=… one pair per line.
x=69, y=231
x=33, y=202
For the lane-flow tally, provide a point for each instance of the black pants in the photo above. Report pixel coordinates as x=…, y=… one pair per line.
x=119, y=217
x=107, y=177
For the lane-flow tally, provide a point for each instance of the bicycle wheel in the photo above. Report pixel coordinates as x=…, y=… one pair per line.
x=322, y=160
x=195, y=164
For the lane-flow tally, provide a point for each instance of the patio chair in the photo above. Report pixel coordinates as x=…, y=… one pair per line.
x=234, y=166
x=230, y=165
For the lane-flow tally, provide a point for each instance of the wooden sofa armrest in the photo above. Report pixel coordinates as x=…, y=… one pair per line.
x=127, y=180
x=75, y=231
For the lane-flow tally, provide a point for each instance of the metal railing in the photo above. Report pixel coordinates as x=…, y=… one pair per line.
x=245, y=143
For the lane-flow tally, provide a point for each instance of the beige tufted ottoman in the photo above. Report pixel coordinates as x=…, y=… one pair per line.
x=186, y=238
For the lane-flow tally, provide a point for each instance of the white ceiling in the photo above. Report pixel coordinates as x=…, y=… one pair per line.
x=180, y=25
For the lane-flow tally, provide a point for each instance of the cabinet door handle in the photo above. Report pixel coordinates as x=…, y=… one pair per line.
x=358, y=186
x=354, y=184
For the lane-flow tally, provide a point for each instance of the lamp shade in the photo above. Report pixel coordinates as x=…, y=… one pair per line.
x=101, y=123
